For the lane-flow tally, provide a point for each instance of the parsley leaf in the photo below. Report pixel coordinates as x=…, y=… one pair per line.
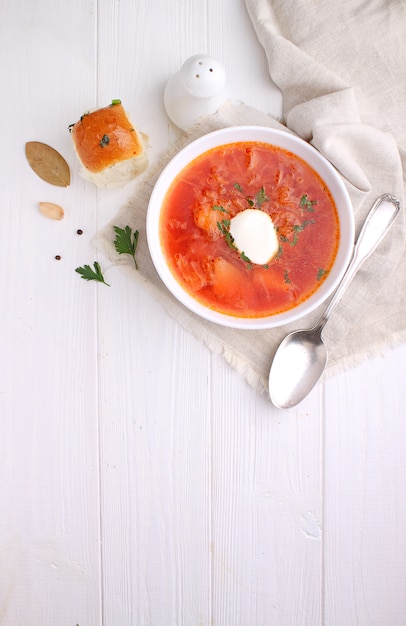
x=224, y=228
x=321, y=273
x=126, y=242
x=261, y=197
x=299, y=227
x=87, y=273
x=294, y=240
x=104, y=141
x=307, y=204
x=246, y=260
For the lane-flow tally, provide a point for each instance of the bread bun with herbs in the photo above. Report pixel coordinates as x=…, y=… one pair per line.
x=110, y=149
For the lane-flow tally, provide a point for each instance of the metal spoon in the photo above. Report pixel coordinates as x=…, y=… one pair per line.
x=301, y=358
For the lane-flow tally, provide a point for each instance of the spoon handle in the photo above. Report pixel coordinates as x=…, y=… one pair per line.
x=378, y=222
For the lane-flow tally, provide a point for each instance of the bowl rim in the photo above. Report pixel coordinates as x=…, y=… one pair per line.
x=281, y=138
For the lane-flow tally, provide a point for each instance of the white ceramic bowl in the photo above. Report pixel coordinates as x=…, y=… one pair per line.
x=277, y=138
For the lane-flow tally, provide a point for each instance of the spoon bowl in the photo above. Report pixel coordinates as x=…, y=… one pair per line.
x=301, y=358
x=304, y=355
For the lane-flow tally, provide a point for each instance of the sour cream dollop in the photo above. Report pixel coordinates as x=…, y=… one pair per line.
x=254, y=235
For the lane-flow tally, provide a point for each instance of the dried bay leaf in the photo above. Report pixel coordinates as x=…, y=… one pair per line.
x=47, y=163
x=51, y=210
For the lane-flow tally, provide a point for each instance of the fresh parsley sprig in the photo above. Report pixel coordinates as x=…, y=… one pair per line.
x=126, y=241
x=87, y=273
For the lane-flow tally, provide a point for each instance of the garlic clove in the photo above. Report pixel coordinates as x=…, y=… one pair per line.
x=51, y=210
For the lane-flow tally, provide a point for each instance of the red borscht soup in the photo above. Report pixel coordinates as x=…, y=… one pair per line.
x=199, y=247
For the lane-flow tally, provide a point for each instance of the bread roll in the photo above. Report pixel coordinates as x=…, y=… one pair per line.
x=110, y=149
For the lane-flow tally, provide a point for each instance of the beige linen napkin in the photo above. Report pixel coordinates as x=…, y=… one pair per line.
x=343, y=89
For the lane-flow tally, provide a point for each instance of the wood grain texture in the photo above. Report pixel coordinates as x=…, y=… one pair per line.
x=143, y=482
x=365, y=513
x=49, y=496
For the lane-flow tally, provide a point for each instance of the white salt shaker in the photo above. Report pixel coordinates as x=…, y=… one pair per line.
x=197, y=89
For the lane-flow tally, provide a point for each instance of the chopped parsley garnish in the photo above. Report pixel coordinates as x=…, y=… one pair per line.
x=280, y=251
x=297, y=228
x=254, y=202
x=104, y=141
x=261, y=197
x=224, y=225
x=246, y=259
x=307, y=204
x=224, y=228
x=321, y=273
x=286, y=277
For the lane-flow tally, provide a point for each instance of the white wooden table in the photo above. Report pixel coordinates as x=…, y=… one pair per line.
x=143, y=482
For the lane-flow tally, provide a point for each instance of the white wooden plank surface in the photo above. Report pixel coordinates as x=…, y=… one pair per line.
x=364, y=499
x=49, y=496
x=142, y=481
